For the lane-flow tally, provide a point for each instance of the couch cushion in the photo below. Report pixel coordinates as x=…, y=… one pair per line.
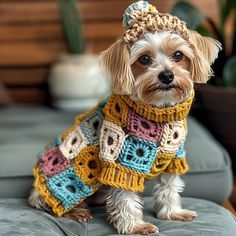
x=200, y=144
x=26, y=130
x=17, y=218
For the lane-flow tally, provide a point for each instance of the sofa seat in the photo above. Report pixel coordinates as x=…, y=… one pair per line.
x=17, y=218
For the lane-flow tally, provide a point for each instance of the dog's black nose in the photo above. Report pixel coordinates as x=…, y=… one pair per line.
x=166, y=77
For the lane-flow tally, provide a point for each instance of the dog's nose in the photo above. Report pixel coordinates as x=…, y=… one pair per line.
x=166, y=77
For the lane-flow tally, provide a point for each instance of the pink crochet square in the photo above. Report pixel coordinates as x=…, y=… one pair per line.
x=143, y=128
x=53, y=162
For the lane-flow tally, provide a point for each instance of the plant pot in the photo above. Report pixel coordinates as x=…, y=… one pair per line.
x=217, y=111
x=76, y=82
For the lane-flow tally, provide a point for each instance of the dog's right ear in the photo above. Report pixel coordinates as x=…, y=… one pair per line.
x=115, y=61
x=205, y=50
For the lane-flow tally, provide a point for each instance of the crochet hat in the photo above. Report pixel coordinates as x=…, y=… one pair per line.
x=141, y=17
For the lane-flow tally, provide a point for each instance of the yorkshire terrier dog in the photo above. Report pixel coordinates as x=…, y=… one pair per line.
x=137, y=133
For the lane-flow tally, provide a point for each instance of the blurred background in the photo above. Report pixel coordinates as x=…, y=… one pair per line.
x=32, y=38
x=49, y=55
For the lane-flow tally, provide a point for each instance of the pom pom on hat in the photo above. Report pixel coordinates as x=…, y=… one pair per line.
x=138, y=7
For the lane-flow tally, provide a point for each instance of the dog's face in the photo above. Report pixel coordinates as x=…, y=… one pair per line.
x=161, y=67
x=160, y=63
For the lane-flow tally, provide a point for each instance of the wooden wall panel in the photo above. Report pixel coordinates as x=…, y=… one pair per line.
x=91, y=10
x=24, y=76
x=54, y=31
x=30, y=53
x=32, y=39
x=29, y=95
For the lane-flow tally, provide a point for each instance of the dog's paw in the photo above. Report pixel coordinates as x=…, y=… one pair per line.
x=181, y=214
x=145, y=229
x=184, y=215
x=80, y=215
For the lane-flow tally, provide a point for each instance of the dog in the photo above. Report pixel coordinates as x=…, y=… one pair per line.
x=136, y=134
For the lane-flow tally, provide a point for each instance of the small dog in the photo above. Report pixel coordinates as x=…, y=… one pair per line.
x=137, y=134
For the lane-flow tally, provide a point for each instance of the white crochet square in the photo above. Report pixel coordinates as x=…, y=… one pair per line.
x=111, y=141
x=174, y=135
x=73, y=144
x=91, y=127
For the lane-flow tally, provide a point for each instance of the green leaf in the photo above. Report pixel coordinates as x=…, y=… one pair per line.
x=203, y=31
x=72, y=25
x=190, y=14
x=224, y=13
x=225, y=7
x=229, y=72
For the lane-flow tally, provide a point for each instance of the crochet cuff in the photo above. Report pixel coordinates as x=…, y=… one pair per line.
x=118, y=176
x=177, y=166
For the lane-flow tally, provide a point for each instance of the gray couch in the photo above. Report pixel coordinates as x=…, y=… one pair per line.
x=25, y=130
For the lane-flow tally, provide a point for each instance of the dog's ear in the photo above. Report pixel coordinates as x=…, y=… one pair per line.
x=115, y=61
x=205, y=50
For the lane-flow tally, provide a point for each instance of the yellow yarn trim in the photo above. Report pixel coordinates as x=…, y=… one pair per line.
x=40, y=185
x=177, y=166
x=186, y=126
x=116, y=110
x=116, y=175
x=167, y=114
x=88, y=166
x=160, y=164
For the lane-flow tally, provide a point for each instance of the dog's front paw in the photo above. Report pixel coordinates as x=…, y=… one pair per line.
x=79, y=215
x=184, y=215
x=145, y=229
x=181, y=214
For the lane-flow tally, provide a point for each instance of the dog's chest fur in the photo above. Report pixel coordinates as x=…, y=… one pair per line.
x=119, y=143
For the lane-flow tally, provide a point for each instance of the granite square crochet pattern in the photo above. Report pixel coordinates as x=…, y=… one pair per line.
x=119, y=143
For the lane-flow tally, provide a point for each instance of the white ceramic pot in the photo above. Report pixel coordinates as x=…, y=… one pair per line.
x=76, y=82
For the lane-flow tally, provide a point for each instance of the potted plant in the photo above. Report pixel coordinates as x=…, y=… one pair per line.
x=216, y=101
x=76, y=80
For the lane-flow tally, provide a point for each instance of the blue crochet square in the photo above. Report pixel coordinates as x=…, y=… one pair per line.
x=138, y=154
x=91, y=126
x=68, y=188
x=181, y=152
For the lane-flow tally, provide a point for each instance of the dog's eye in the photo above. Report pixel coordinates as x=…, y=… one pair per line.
x=145, y=60
x=177, y=56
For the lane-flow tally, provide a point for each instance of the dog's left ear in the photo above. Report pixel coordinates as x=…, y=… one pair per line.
x=205, y=50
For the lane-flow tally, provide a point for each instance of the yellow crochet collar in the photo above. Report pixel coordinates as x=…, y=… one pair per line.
x=167, y=114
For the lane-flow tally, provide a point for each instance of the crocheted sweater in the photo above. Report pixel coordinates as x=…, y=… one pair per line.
x=119, y=143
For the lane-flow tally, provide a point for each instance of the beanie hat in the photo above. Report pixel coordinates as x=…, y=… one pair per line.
x=141, y=17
